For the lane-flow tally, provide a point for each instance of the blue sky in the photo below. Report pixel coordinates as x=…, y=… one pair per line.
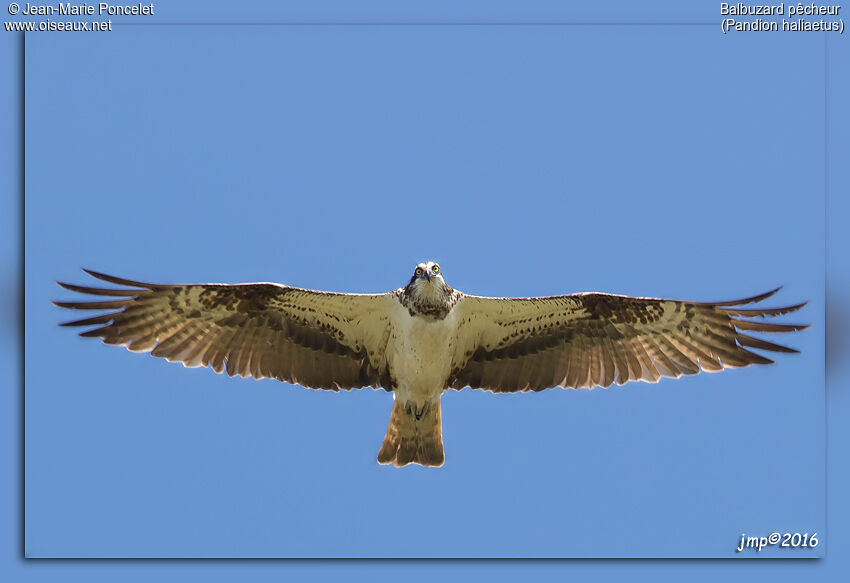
x=527, y=160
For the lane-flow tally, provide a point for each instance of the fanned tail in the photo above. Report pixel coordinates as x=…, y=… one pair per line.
x=412, y=440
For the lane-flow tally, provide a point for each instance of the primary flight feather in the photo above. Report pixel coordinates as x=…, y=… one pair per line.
x=424, y=338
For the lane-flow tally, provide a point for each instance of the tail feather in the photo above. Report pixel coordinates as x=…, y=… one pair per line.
x=413, y=441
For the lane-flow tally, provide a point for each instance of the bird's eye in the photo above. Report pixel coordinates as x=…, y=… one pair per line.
x=436, y=269
x=418, y=271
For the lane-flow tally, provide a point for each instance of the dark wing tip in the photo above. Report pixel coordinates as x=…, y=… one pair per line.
x=759, y=312
x=750, y=300
x=72, y=286
x=754, y=342
x=94, y=333
x=762, y=326
x=96, y=274
x=99, y=319
x=107, y=305
x=117, y=280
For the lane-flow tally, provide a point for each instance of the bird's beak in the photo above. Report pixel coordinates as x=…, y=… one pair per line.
x=428, y=275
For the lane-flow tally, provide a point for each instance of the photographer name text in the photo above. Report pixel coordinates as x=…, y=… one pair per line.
x=85, y=9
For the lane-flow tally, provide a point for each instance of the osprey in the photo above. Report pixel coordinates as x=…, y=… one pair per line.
x=425, y=338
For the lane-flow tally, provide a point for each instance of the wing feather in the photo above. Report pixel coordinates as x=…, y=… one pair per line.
x=594, y=358
x=610, y=369
x=593, y=339
x=318, y=339
x=666, y=367
x=652, y=373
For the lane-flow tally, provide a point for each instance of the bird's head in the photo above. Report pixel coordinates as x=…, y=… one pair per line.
x=427, y=272
x=427, y=282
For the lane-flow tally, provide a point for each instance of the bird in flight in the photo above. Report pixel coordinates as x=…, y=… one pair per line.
x=424, y=338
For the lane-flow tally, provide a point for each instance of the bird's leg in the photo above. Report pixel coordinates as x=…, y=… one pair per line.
x=417, y=412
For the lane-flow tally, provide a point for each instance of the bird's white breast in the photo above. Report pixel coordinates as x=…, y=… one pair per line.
x=420, y=354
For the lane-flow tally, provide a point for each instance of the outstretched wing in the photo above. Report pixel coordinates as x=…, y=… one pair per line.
x=593, y=339
x=264, y=330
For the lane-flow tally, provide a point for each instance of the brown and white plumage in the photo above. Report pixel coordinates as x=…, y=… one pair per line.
x=263, y=330
x=592, y=339
x=422, y=339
